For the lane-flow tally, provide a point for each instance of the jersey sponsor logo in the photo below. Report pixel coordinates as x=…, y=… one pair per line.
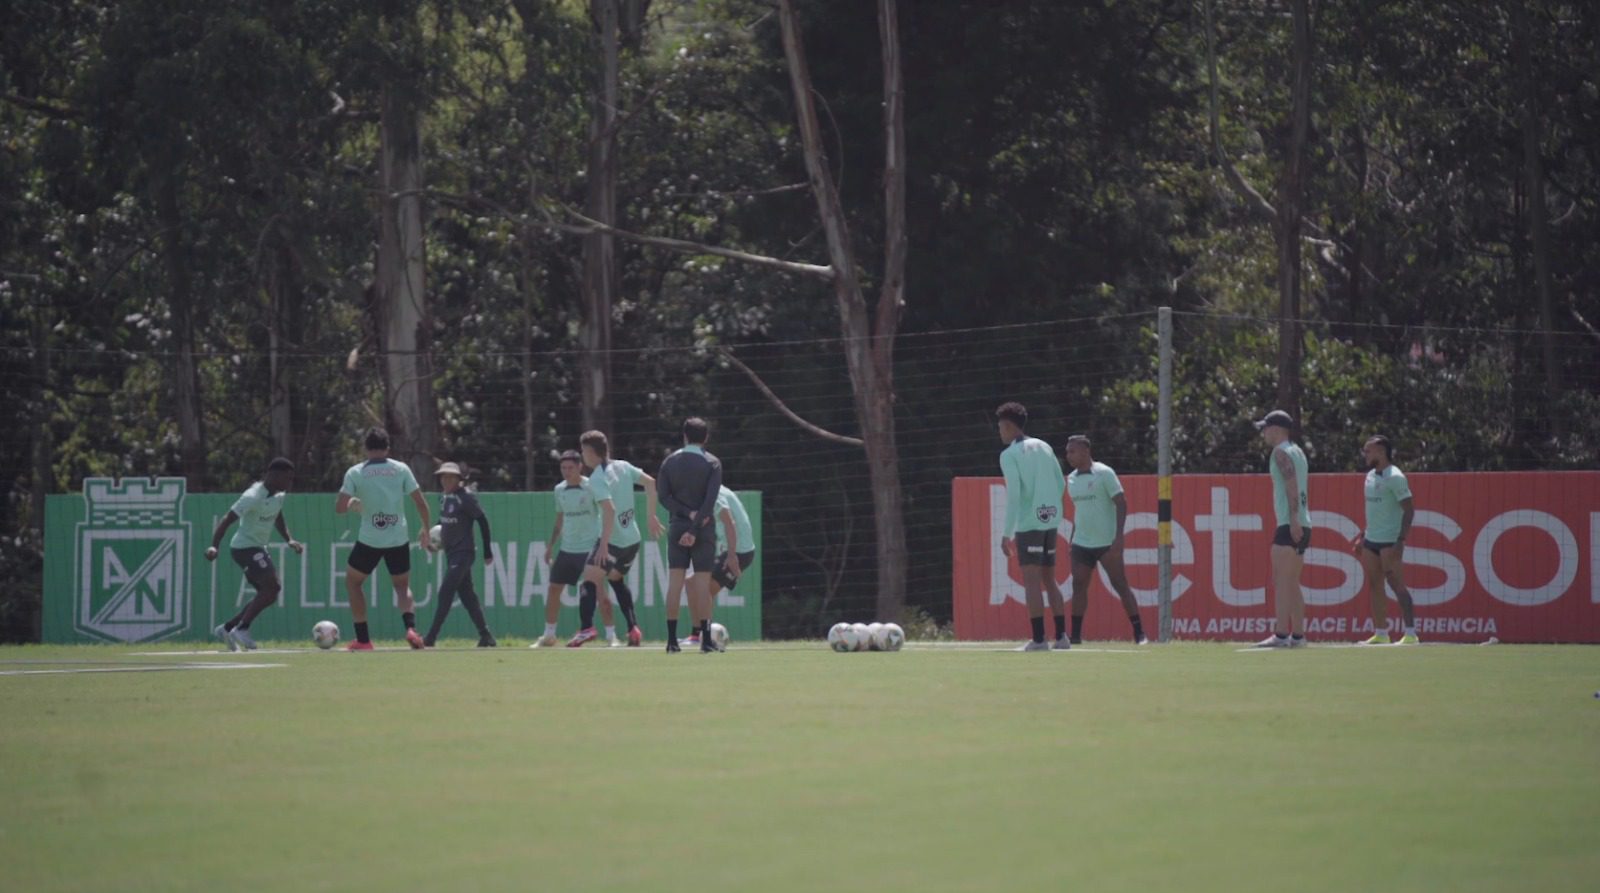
x=384, y=520
x=626, y=518
x=1045, y=513
x=131, y=565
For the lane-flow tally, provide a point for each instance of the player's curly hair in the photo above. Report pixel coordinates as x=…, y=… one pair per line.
x=1013, y=412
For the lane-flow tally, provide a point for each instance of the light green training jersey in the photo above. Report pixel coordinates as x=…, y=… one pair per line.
x=258, y=513
x=1280, y=491
x=729, y=501
x=382, y=485
x=580, y=516
x=1034, y=485
x=1385, y=491
x=614, y=480
x=1094, y=511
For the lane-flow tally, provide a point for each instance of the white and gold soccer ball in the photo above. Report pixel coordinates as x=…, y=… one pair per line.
x=436, y=537
x=325, y=634
x=891, y=638
x=719, y=636
x=874, y=636
x=859, y=637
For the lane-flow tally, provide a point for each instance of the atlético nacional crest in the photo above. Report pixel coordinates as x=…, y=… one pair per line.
x=1045, y=513
x=132, y=561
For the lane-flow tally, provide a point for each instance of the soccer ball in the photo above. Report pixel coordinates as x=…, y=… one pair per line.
x=325, y=634
x=836, y=637
x=892, y=637
x=874, y=636
x=858, y=637
x=719, y=636
x=436, y=537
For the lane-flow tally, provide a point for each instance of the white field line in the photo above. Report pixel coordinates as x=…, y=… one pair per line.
x=148, y=668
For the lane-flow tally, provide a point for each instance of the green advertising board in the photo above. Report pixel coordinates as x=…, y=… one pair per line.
x=125, y=562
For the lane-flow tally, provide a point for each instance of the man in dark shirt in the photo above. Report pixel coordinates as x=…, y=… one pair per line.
x=458, y=509
x=688, y=484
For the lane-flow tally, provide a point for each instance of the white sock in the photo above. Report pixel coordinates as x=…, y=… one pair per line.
x=611, y=633
x=549, y=629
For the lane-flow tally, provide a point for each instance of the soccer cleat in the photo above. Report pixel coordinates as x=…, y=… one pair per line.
x=1380, y=637
x=613, y=642
x=487, y=641
x=672, y=646
x=428, y=642
x=584, y=635
x=1297, y=642
x=222, y=634
x=544, y=642
x=415, y=640
x=1076, y=640
x=1061, y=644
x=359, y=646
x=692, y=642
x=708, y=645
x=243, y=639
x=1409, y=639
x=1142, y=640
x=634, y=637
x=1274, y=641
x=1035, y=646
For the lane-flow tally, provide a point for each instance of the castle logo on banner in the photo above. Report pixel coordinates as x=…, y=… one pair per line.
x=131, y=579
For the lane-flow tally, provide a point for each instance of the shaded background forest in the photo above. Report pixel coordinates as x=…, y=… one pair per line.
x=235, y=230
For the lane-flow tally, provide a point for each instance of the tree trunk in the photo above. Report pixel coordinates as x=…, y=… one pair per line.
x=184, y=370
x=529, y=425
x=1538, y=215
x=403, y=322
x=599, y=249
x=867, y=356
x=44, y=398
x=283, y=332
x=1291, y=191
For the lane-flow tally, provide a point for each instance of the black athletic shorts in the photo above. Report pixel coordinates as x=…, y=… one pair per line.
x=700, y=555
x=720, y=572
x=1036, y=548
x=619, y=559
x=1281, y=537
x=568, y=567
x=397, y=559
x=1375, y=548
x=257, y=565
x=1087, y=555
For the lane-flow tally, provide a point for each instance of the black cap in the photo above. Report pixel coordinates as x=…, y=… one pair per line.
x=1276, y=419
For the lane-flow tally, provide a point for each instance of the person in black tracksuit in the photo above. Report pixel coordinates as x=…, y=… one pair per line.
x=458, y=509
x=688, y=484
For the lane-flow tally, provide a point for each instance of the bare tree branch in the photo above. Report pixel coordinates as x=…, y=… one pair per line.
x=782, y=407
x=1253, y=198
x=42, y=107
x=1572, y=308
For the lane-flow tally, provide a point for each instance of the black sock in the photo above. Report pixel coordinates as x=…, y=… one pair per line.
x=361, y=633
x=587, y=599
x=1038, y=628
x=1077, y=627
x=1138, y=628
x=410, y=619
x=231, y=625
x=625, y=601
x=1298, y=636
x=705, y=629
x=672, y=630
x=1061, y=625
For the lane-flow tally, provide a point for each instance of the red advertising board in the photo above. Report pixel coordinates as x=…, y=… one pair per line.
x=1508, y=555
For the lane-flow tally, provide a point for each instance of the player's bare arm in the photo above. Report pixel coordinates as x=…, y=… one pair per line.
x=651, y=505
x=222, y=527
x=283, y=530
x=1121, y=502
x=1291, y=490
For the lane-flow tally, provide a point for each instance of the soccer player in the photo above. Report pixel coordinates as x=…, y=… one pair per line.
x=377, y=489
x=583, y=532
x=1100, y=511
x=736, y=547
x=613, y=480
x=259, y=509
x=458, y=509
x=1382, y=547
x=1034, y=488
x=1293, y=535
x=688, y=483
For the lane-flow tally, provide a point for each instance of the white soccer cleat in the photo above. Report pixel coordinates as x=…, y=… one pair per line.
x=1035, y=646
x=1297, y=641
x=544, y=642
x=243, y=639
x=222, y=634
x=1274, y=641
x=1061, y=644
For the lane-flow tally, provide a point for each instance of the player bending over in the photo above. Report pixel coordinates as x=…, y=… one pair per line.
x=1034, y=488
x=259, y=509
x=1382, y=547
x=458, y=509
x=688, y=483
x=736, y=548
x=1293, y=535
x=616, y=478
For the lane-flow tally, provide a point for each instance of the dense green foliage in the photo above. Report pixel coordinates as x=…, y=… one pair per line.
x=202, y=176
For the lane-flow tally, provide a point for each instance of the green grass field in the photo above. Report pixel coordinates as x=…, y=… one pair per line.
x=1189, y=767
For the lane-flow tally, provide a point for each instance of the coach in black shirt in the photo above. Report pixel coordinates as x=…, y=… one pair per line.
x=687, y=484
